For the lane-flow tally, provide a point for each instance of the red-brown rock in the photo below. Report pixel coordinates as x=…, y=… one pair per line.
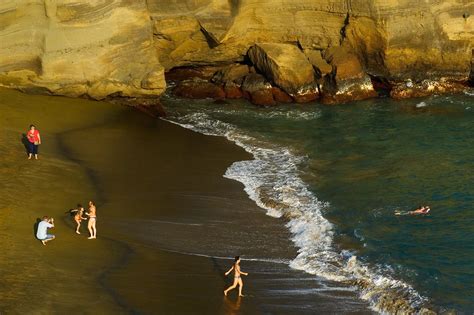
x=281, y=96
x=411, y=89
x=199, y=90
x=188, y=73
x=307, y=94
x=258, y=90
x=233, y=91
x=262, y=98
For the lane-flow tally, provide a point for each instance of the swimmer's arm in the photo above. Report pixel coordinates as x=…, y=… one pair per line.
x=232, y=268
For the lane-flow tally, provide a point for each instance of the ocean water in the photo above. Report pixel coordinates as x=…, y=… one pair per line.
x=336, y=174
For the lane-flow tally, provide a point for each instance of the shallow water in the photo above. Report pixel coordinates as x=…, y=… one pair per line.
x=354, y=165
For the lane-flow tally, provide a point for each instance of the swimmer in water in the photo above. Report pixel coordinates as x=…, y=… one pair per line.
x=420, y=210
x=237, y=276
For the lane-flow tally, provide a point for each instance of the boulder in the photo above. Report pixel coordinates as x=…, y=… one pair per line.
x=307, y=94
x=233, y=73
x=233, y=91
x=283, y=64
x=199, y=89
x=321, y=67
x=281, y=96
x=347, y=81
x=258, y=90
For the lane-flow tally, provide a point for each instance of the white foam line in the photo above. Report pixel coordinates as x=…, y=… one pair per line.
x=272, y=181
x=266, y=260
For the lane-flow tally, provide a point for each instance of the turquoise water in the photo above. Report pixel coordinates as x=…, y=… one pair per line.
x=362, y=162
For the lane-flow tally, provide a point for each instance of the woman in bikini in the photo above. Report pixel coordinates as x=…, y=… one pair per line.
x=78, y=218
x=237, y=276
x=92, y=214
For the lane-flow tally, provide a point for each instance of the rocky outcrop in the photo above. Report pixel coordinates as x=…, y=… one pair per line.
x=110, y=48
x=258, y=90
x=287, y=67
x=347, y=81
x=199, y=89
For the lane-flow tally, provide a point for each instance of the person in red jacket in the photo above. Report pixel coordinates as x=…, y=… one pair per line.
x=34, y=140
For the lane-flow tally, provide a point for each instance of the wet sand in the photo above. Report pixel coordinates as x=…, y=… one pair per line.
x=168, y=222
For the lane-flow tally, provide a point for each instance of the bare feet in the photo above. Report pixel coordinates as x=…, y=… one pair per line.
x=225, y=293
x=90, y=238
x=78, y=232
x=241, y=295
x=44, y=243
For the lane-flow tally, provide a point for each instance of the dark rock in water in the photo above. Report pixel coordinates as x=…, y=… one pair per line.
x=233, y=91
x=347, y=81
x=199, y=89
x=281, y=96
x=411, y=89
x=258, y=90
x=262, y=98
x=307, y=94
x=255, y=82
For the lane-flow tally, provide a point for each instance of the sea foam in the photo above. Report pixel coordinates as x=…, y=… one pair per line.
x=272, y=180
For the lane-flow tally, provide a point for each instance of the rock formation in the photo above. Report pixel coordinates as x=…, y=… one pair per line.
x=305, y=49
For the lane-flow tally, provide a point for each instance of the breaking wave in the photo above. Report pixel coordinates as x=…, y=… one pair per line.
x=272, y=180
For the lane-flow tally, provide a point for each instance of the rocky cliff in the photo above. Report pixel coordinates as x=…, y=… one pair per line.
x=293, y=50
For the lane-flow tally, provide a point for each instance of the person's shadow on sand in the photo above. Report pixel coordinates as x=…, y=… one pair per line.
x=25, y=141
x=218, y=268
x=35, y=227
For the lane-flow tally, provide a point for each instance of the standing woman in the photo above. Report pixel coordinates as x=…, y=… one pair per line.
x=34, y=140
x=237, y=276
x=92, y=214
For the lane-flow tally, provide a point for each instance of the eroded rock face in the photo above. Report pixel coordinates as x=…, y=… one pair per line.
x=347, y=80
x=100, y=48
x=94, y=48
x=283, y=64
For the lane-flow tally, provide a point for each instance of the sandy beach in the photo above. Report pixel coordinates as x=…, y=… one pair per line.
x=168, y=222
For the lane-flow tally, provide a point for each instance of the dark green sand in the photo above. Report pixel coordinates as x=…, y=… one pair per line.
x=168, y=222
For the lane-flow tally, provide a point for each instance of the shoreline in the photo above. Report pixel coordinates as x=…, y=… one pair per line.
x=138, y=273
x=148, y=250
